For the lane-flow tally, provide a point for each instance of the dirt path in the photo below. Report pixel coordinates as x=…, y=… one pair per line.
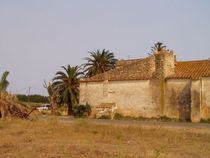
x=147, y=124
x=184, y=126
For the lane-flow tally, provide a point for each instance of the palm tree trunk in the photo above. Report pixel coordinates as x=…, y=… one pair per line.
x=69, y=106
x=52, y=100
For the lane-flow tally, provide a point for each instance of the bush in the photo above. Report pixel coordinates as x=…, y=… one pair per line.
x=81, y=110
x=118, y=116
x=205, y=120
x=168, y=119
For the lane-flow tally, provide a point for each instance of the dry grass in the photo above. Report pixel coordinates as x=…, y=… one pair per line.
x=82, y=139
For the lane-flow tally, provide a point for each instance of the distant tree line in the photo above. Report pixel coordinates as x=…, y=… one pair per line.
x=33, y=98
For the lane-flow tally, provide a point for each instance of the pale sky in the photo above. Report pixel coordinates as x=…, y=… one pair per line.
x=38, y=37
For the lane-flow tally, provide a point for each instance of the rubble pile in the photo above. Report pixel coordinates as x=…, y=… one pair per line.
x=11, y=107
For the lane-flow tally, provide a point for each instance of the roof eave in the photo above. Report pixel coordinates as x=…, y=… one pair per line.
x=115, y=80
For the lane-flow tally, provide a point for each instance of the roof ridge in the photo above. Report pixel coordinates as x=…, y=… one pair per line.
x=140, y=69
x=194, y=60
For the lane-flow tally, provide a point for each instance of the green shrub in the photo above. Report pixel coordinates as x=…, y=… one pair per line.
x=118, y=116
x=205, y=120
x=81, y=110
x=166, y=119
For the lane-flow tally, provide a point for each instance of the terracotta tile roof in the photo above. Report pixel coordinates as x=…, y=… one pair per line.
x=139, y=70
x=191, y=69
x=131, y=70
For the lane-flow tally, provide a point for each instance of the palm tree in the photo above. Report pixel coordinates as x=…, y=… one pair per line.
x=66, y=85
x=99, y=62
x=158, y=47
x=4, y=83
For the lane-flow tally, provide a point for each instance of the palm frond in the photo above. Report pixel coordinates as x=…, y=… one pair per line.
x=157, y=47
x=99, y=62
x=4, y=83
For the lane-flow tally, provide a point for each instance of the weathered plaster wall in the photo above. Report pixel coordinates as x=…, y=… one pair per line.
x=91, y=93
x=133, y=98
x=183, y=99
x=177, y=99
x=195, y=100
x=205, y=108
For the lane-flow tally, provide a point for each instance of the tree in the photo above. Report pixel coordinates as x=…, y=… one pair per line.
x=66, y=84
x=158, y=47
x=4, y=83
x=36, y=98
x=53, y=97
x=99, y=62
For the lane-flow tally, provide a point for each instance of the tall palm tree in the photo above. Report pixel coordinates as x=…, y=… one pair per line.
x=158, y=47
x=99, y=62
x=4, y=83
x=66, y=85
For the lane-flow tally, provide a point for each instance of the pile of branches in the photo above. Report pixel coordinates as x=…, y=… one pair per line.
x=11, y=107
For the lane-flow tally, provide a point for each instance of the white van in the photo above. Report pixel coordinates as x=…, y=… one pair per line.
x=43, y=107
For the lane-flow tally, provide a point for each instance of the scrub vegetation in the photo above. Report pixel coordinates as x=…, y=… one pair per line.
x=82, y=138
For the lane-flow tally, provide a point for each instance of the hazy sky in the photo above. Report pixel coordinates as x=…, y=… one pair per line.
x=38, y=37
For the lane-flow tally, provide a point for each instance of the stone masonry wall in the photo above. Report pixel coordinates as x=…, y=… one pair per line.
x=164, y=64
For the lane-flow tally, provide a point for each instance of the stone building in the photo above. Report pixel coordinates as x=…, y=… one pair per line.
x=153, y=87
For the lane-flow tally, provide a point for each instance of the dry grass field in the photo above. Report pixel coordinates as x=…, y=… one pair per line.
x=83, y=139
